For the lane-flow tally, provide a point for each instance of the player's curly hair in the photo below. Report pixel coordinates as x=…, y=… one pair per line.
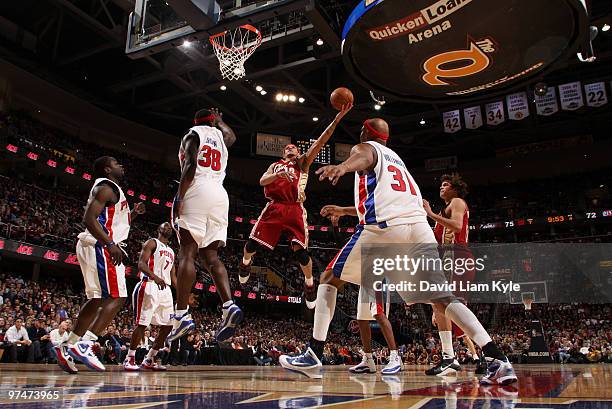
x=457, y=183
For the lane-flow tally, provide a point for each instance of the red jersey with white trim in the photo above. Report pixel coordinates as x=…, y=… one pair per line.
x=114, y=219
x=447, y=236
x=161, y=262
x=283, y=190
x=388, y=194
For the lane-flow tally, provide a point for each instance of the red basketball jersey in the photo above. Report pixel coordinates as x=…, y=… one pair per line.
x=283, y=190
x=447, y=236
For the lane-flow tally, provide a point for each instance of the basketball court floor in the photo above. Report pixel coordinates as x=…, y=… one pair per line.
x=540, y=386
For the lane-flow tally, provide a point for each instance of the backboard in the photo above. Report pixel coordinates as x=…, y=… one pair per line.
x=536, y=290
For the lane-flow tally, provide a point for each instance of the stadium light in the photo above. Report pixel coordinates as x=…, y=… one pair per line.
x=302, y=100
x=315, y=119
x=377, y=107
x=222, y=87
x=258, y=88
x=319, y=42
x=279, y=97
x=606, y=27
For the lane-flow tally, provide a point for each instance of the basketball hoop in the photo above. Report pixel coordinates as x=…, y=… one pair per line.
x=527, y=300
x=233, y=48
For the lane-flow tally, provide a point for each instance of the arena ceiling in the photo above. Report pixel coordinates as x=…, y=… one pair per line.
x=80, y=45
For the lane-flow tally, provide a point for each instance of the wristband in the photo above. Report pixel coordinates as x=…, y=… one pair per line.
x=109, y=245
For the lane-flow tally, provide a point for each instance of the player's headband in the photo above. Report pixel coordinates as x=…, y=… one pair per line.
x=204, y=119
x=374, y=132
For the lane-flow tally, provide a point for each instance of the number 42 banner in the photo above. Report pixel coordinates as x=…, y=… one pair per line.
x=452, y=122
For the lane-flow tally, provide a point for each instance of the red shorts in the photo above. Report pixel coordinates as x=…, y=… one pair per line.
x=278, y=218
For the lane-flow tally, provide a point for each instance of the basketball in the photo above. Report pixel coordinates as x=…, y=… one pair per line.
x=341, y=96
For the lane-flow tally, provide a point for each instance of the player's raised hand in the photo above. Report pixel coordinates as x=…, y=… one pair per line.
x=331, y=172
x=345, y=110
x=332, y=211
x=218, y=116
x=140, y=208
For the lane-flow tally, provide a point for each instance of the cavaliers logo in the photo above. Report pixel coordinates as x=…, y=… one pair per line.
x=475, y=60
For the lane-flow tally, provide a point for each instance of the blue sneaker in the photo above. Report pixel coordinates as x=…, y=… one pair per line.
x=499, y=373
x=232, y=316
x=394, y=366
x=307, y=363
x=81, y=351
x=182, y=326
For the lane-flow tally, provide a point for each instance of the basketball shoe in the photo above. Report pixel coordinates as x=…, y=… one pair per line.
x=306, y=363
x=64, y=360
x=150, y=364
x=447, y=366
x=366, y=365
x=499, y=373
x=81, y=351
x=310, y=295
x=394, y=366
x=232, y=316
x=182, y=325
x=130, y=364
x=244, y=272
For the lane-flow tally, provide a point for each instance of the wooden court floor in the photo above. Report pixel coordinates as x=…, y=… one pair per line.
x=539, y=386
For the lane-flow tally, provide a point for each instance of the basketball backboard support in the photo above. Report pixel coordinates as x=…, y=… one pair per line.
x=535, y=290
x=154, y=26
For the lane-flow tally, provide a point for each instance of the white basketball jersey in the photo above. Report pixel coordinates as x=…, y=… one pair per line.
x=115, y=220
x=161, y=261
x=388, y=195
x=212, y=156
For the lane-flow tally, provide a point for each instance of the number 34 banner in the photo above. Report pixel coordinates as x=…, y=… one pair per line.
x=495, y=113
x=452, y=123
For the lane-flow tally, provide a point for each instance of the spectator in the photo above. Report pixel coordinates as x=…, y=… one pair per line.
x=19, y=343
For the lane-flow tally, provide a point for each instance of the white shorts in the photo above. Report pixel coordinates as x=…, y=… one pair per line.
x=205, y=214
x=152, y=305
x=102, y=278
x=366, y=309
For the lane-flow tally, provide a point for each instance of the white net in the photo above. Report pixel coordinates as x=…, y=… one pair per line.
x=527, y=299
x=233, y=48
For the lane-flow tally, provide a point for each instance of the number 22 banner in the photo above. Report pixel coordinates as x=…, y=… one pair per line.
x=596, y=94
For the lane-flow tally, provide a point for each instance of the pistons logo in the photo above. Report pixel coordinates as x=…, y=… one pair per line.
x=458, y=63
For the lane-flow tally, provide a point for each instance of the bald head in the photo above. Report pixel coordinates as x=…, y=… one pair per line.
x=375, y=129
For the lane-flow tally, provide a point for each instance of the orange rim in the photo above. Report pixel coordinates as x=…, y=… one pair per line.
x=246, y=27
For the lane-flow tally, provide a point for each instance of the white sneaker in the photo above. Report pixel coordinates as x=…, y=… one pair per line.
x=130, y=364
x=366, y=365
x=394, y=366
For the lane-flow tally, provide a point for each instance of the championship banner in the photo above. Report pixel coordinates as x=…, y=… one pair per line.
x=343, y=151
x=451, y=120
x=547, y=104
x=443, y=163
x=571, y=96
x=495, y=113
x=472, y=117
x=596, y=94
x=518, y=107
x=271, y=145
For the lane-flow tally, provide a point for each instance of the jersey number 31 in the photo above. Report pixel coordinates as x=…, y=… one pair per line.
x=399, y=178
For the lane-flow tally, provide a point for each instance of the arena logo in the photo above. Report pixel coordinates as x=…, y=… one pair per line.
x=475, y=56
x=430, y=32
x=442, y=9
x=398, y=28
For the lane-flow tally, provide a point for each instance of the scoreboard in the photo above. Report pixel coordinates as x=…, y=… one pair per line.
x=324, y=157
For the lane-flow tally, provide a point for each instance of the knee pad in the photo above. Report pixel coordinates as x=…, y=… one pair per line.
x=252, y=246
x=302, y=257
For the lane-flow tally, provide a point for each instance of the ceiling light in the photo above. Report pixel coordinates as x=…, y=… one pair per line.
x=285, y=98
x=302, y=100
x=222, y=87
x=263, y=92
x=292, y=98
x=377, y=107
x=314, y=118
x=258, y=88
x=319, y=42
x=187, y=43
x=606, y=27
x=422, y=122
x=279, y=97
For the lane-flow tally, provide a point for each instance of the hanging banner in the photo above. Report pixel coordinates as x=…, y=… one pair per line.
x=271, y=145
x=518, y=107
x=547, y=105
x=472, y=117
x=451, y=121
x=443, y=163
x=495, y=113
x=596, y=94
x=571, y=96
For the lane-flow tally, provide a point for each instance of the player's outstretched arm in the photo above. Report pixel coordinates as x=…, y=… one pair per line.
x=103, y=195
x=363, y=158
x=304, y=161
x=457, y=208
x=229, y=137
x=148, y=248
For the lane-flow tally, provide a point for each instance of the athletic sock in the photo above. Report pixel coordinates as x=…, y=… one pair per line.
x=368, y=355
x=324, y=311
x=178, y=314
x=73, y=338
x=446, y=338
x=467, y=321
x=491, y=350
x=309, y=281
x=246, y=260
x=90, y=336
x=131, y=353
x=227, y=304
x=393, y=355
x=152, y=354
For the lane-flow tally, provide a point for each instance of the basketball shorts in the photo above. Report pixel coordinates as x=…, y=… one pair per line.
x=102, y=278
x=278, y=218
x=205, y=214
x=420, y=242
x=367, y=309
x=152, y=305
